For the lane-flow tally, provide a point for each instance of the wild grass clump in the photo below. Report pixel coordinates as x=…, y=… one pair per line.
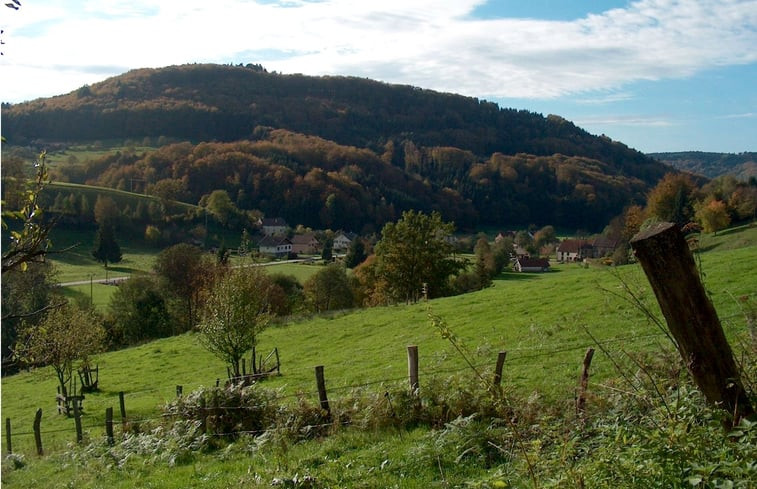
x=227, y=412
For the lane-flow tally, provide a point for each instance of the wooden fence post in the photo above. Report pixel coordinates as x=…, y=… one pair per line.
x=77, y=420
x=669, y=266
x=8, y=444
x=109, y=425
x=122, y=405
x=321, y=382
x=498, y=369
x=37, y=432
x=203, y=416
x=584, y=383
x=412, y=368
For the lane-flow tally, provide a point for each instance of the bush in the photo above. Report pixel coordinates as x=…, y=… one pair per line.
x=228, y=411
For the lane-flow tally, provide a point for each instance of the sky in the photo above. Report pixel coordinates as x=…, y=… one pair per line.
x=657, y=75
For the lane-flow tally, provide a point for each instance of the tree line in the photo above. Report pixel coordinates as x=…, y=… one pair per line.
x=321, y=184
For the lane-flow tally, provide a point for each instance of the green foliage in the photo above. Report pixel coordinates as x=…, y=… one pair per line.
x=106, y=249
x=291, y=298
x=230, y=411
x=329, y=289
x=65, y=335
x=327, y=253
x=29, y=243
x=185, y=272
x=138, y=311
x=237, y=310
x=355, y=254
x=25, y=297
x=414, y=254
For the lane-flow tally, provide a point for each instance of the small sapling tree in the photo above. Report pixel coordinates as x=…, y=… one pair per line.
x=236, y=311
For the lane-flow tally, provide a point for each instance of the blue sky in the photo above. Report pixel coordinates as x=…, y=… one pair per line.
x=657, y=75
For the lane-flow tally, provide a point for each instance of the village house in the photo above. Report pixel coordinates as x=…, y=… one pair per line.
x=343, y=240
x=504, y=234
x=275, y=246
x=306, y=244
x=603, y=246
x=274, y=226
x=532, y=265
x=574, y=250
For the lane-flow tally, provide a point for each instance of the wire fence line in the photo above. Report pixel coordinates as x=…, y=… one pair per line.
x=515, y=356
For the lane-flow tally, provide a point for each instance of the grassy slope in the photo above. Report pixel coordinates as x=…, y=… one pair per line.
x=538, y=319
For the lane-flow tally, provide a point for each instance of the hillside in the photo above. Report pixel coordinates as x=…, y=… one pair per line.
x=743, y=166
x=476, y=162
x=365, y=360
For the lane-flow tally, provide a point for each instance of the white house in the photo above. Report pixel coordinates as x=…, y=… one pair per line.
x=573, y=250
x=271, y=245
x=342, y=241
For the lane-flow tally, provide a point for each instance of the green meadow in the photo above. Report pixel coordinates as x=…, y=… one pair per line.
x=545, y=322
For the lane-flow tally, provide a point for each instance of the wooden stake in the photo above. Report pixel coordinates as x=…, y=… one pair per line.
x=77, y=419
x=584, y=383
x=203, y=416
x=109, y=425
x=321, y=382
x=669, y=266
x=122, y=405
x=412, y=368
x=37, y=432
x=498, y=369
x=8, y=444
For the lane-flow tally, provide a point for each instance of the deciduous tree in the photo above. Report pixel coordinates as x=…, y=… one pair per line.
x=65, y=335
x=237, y=310
x=713, y=215
x=329, y=289
x=671, y=199
x=415, y=254
x=139, y=311
x=185, y=273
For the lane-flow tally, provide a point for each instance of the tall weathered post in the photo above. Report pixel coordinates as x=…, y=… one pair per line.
x=669, y=266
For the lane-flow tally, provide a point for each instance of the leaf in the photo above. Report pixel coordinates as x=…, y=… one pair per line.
x=694, y=480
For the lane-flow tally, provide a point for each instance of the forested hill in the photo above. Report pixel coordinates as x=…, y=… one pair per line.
x=743, y=166
x=482, y=163
x=225, y=103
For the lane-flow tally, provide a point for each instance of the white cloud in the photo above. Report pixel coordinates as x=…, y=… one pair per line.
x=428, y=43
x=627, y=121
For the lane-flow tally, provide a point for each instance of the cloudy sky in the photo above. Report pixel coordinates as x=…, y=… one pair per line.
x=658, y=75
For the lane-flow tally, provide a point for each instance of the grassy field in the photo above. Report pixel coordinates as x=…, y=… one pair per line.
x=543, y=321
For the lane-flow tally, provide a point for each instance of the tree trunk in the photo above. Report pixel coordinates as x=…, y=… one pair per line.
x=669, y=265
